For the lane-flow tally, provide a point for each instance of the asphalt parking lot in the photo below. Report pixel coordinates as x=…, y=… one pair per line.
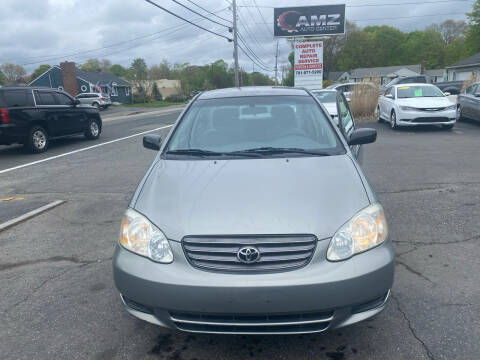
x=57, y=295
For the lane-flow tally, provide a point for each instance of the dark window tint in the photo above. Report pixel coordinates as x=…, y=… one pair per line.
x=63, y=99
x=45, y=98
x=18, y=98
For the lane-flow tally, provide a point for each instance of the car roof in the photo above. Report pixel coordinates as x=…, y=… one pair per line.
x=252, y=91
x=324, y=90
x=412, y=84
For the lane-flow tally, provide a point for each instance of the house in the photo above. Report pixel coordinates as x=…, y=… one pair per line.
x=169, y=87
x=76, y=81
x=438, y=75
x=338, y=76
x=385, y=74
x=464, y=69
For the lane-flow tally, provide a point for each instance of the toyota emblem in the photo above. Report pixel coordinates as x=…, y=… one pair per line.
x=248, y=254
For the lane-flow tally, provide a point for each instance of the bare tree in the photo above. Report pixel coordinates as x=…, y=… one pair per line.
x=13, y=73
x=450, y=30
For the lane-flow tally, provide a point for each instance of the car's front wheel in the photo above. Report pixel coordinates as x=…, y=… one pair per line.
x=96, y=105
x=93, y=130
x=393, y=120
x=37, y=141
x=447, y=127
x=459, y=112
x=379, y=116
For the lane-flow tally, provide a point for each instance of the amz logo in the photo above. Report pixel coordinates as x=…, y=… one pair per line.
x=294, y=21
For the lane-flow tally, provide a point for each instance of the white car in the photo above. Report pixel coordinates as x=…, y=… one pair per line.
x=416, y=105
x=328, y=98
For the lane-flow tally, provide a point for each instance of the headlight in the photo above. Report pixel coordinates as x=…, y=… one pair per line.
x=451, y=107
x=408, y=108
x=364, y=231
x=140, y=236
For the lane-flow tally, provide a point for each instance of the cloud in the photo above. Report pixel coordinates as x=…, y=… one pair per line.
x=50, y=31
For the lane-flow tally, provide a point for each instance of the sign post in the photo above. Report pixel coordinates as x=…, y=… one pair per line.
x=302, y=22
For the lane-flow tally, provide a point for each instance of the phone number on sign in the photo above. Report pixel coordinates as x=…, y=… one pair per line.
x=308, y=72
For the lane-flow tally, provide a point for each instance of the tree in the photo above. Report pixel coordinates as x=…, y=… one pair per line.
x=91, y=65
x=3, y=79
x=13, y=73
x=450, y=30
x=290, y=79
x=39, y=71
x=138, y=73
x=155, y=92
x=160, y=71
x=118, y=70
x=473, y=34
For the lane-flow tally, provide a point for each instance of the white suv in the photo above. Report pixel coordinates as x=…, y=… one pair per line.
x=95, y=99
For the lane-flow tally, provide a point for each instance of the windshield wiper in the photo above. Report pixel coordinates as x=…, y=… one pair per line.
x=193, y=152
x=204, y=153
x=274, y=150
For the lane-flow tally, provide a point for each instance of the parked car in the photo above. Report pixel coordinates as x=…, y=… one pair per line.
x=255, y=222
x=348, y=88
x=95, y=99
x=329, y=99
x=415, y=105
x=448, y=87
x=34, y=116
x=468, y=103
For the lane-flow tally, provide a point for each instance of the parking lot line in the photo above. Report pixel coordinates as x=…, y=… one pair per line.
x=83, y=149
x=30, y=214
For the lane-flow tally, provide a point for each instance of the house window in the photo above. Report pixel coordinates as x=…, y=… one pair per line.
x=114, y=90
x=83, y=88
x=127, y=91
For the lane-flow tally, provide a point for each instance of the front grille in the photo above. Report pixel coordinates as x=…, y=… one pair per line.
x=277, y=253
x=432, y=109
x=252, y=324
x=430, y=119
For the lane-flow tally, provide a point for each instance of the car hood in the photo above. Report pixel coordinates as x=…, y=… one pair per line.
x=425, y=102
x=307, y=195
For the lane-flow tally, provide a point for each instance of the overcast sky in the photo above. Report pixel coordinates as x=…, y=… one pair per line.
x=44, y=31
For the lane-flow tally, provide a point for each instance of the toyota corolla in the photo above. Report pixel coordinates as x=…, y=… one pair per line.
x=255, y=218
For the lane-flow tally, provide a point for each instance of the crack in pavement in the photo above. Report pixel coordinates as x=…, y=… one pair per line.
x=426, y=188
x=412, y=331
x=50, y=260
x=413, y=271
x=419, y=243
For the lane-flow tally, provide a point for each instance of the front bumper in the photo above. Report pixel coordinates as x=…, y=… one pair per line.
x=418, y=118
x=322, y=295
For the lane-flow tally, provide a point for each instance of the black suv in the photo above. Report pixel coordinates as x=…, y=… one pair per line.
x=33, y=116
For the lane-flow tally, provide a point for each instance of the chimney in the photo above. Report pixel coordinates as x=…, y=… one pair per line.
x=422, y=68
x=69, y=77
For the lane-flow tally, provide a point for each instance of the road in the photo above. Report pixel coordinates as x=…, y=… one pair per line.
x=57, y=295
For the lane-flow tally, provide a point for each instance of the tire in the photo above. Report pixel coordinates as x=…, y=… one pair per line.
x=393, y=120
x=379, y=116
x=93, y=130
x=37, y=141
x=459, y=115
x=96, y=105
x=447, y=127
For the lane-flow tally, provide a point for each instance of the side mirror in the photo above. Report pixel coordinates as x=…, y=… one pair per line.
x=447, y=93
x=76, y=102
x=390, y=96
x=362, y=136
x=152, y=142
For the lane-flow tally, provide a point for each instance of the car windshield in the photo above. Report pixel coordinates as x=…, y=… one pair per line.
x=414, y=91
x=326, y=96
x=254, y=126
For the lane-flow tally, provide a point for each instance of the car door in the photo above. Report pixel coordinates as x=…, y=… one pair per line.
x=346, y=122
x=388, y=102
x=476, y=103
x=466, y=101
x=73, y=118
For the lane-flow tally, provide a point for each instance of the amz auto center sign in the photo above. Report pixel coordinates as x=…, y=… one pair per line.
x=309, y=20
x=308, y=64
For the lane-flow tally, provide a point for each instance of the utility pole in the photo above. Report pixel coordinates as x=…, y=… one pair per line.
x=276, y=65
x=235, y=42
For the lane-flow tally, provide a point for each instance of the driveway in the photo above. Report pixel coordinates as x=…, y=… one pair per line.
x=57, y=295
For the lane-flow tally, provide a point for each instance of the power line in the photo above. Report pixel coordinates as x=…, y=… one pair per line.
x=247, y=31
x=261, y=15
x=195, y=12
x=261, y=67
x=208, y=11
x=370, y=5
x=75, y=54
x=252, y=52
x=188, y=21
